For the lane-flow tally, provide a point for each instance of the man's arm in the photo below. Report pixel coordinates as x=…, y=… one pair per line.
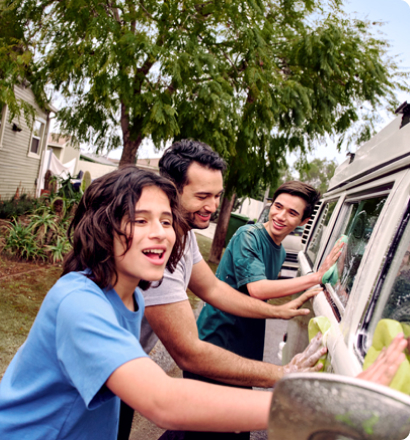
x=266, y=289
x=175, y=325
x=210, y=289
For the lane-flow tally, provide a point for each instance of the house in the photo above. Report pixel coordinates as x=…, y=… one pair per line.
x=62, y=147
x=21, y=147
x=144, y=164
x=25, y=152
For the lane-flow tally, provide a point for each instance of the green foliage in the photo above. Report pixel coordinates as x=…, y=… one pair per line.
x=16, y=57
x=86, y=182
x=58, y=249
x=16, y=207
x=21, y=242
x=317, y=173
x=43, y=233
x=254, y=79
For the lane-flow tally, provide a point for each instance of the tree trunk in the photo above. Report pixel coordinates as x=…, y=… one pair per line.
x=221, y=230
x=129, y=151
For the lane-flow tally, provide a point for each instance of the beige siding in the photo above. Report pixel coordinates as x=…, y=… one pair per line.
x=95, y=169
x=17, y=169
x=70, y=153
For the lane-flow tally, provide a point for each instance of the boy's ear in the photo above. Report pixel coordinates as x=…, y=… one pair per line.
x=304, y=221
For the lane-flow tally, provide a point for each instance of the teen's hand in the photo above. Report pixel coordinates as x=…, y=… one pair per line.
x=306, y=361
x=291, y=308
x=330, y=259
x=382, y=371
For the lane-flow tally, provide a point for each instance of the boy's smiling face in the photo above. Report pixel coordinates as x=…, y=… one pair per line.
x=285, y=215
x=152, y=242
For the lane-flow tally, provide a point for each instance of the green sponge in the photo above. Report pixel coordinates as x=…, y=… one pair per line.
x=332, y=275
x=386, y=331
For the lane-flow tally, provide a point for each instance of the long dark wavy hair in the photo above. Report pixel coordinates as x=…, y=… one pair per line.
x=108, y=201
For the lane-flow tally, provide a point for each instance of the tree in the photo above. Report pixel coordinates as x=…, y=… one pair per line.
x=317, y=173
x=16, y=56
x=295, y=72
x=253, y=78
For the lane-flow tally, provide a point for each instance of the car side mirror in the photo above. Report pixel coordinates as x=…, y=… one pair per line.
x=322, y=406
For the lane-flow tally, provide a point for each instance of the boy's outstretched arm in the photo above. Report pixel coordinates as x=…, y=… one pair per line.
x=183, y=404
x=266, y=289
x=210, y=289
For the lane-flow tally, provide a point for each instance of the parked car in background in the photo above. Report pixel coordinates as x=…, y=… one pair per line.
x=292, y=244
x=368, y=201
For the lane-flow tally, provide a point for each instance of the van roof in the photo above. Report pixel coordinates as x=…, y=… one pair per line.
x=389, y=149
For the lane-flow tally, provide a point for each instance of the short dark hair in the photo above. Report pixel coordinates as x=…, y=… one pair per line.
x=178, y=157
x=99, y=216
x=306, y=192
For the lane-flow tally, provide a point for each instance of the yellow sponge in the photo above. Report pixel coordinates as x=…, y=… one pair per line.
x=386, y=331
x=316, y=325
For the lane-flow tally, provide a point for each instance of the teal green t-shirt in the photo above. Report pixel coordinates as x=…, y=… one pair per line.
x=250, y=256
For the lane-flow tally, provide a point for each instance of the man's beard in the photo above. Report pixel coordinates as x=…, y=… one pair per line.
x=190, y=219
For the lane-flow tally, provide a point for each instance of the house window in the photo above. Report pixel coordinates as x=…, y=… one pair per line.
x=37, y=135
x=3, y=116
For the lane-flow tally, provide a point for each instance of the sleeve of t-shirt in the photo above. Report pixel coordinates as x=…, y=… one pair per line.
x=196, y=254
x=173, y=286
x=171, y=289
x=248, y=265
x=91, y=344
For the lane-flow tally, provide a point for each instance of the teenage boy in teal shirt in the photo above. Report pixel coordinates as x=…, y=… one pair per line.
x=251, y=263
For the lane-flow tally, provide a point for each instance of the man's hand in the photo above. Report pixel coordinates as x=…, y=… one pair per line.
x=291, y=308
x=306, y=361
x=330, y=260
x=382, y=371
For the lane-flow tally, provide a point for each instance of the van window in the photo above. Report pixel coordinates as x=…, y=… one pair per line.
x=396, y=288
x=356, y=223
x=321, y=225
x=391, y=297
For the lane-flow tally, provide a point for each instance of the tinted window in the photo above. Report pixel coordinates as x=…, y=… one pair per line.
x=320, y=228
x=398, y=282
x=356, y=224
x=391, y=298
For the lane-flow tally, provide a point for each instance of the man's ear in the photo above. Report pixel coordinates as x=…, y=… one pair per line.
x=304, y=221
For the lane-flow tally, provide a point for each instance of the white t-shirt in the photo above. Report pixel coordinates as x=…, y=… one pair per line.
x=172, y=289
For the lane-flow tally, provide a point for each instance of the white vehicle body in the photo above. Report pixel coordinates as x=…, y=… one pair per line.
x=369, y=201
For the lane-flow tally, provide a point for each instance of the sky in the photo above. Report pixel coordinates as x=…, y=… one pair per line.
x=395, y=14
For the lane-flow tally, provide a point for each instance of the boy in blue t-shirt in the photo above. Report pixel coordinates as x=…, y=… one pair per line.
x=83, y=352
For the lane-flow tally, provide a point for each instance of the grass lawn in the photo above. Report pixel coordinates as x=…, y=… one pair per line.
x=22, y=289
x=21, y=295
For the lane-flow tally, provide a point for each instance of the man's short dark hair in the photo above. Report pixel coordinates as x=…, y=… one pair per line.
x=306, y=192
x=178, y=157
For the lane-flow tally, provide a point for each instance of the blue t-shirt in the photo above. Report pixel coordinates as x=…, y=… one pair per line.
x=54, y=388
x=250, y=256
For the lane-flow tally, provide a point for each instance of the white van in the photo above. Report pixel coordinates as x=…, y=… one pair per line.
x=369, y=201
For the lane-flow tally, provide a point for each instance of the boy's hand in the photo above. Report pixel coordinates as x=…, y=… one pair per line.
x=306, y=361
x=291, y=308
x=382, y=371
x=330, y=260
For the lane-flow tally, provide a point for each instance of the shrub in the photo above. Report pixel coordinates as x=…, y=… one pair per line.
x=14, y=208
x=21, y=242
